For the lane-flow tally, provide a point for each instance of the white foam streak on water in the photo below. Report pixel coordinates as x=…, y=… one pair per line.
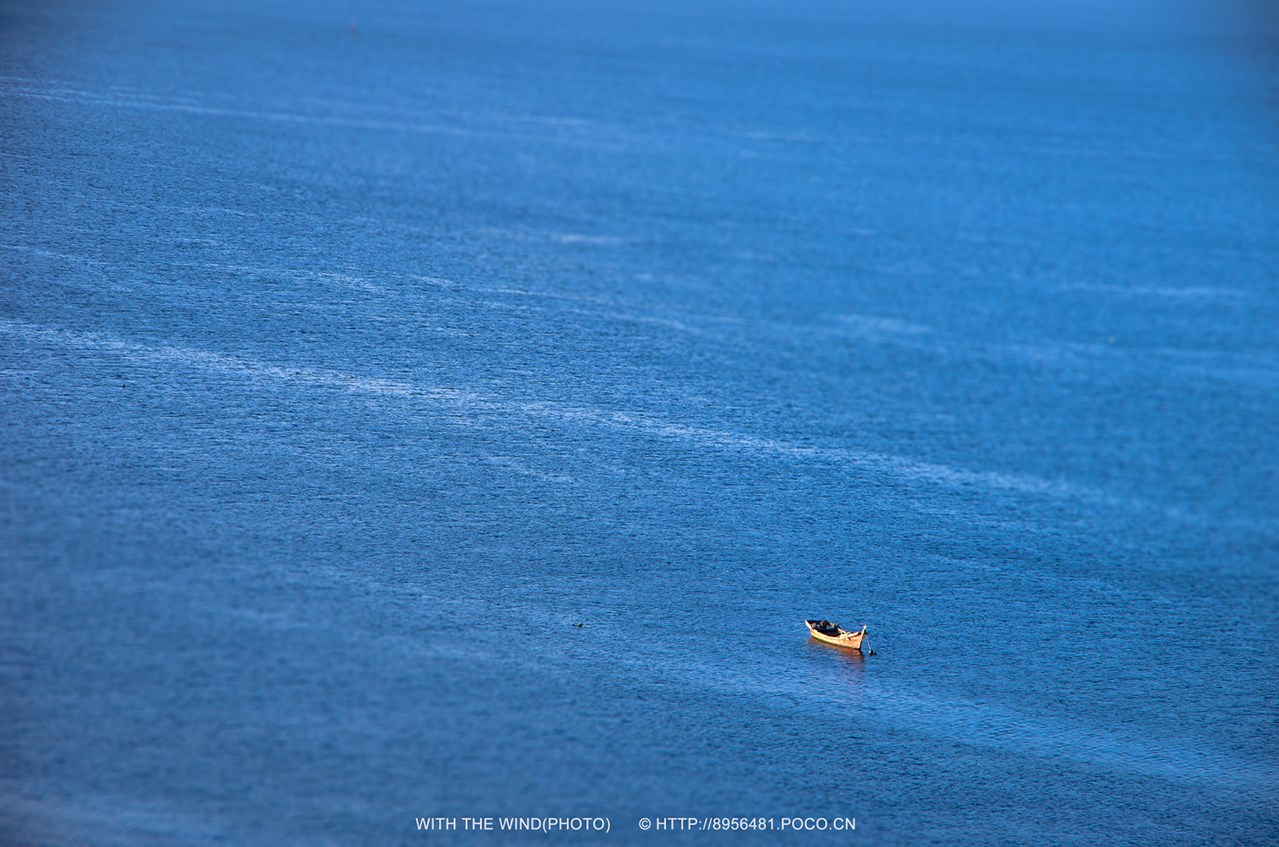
x=1255, y=370
x=990, y=725
x=116, y=101
x=993, y=726
x=1154, y=292
x=467, y=403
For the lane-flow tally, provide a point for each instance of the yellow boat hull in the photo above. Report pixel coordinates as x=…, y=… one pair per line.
x=846, y=639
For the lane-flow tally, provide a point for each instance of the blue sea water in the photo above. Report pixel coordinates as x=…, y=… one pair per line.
x=352, y=353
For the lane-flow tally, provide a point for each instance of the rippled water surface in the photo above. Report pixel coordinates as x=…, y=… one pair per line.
x=351, y=355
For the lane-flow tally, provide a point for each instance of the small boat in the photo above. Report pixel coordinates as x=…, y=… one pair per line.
x=831, y=633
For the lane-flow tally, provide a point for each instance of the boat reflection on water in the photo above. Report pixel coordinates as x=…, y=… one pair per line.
x=847, y=664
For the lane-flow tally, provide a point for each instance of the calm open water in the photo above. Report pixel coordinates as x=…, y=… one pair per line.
x=353, y=352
